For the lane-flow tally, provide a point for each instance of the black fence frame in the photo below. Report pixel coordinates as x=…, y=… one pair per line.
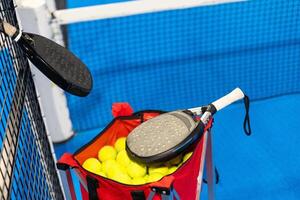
x=27, y=166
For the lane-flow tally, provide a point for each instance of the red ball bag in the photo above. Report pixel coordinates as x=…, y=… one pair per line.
x=182, y=184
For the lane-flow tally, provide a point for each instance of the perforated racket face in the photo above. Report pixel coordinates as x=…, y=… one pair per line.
x=160, y=134
x=61, y=66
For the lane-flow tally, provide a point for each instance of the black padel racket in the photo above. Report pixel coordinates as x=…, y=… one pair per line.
x=54, y=61
x=166, y=136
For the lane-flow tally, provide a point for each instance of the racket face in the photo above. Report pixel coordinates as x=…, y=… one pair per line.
x=162, y=138
x=60, y=65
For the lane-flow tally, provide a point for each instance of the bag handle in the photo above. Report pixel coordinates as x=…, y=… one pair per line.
x=92, y=185
x=138, y=195
x=121, y=109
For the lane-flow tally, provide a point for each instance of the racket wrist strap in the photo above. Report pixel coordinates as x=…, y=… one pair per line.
x=217, y=175
x=247, y=127
x=211, y=108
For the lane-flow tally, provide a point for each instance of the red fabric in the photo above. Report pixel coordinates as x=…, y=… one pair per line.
x=121, y=109
x=166, y=182
x=184, y=179
x=84, y=193
x=68, y=159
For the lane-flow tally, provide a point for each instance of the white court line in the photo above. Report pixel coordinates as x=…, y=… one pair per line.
x=113, y=10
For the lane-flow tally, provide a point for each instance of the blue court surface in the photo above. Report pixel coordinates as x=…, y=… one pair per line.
x=187, y=58
x=264, y=165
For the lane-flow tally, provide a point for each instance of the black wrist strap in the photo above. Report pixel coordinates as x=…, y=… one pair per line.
x=247, y=127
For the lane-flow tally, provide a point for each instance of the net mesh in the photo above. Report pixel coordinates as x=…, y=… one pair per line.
x=27, y=168
x=186, y=58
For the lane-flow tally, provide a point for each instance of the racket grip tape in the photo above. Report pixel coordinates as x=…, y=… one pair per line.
x=228, y=99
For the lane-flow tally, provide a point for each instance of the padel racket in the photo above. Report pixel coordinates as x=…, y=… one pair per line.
x=54, y=61
x=166, y=136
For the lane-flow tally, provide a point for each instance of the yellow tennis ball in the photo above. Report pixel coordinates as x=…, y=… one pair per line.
x=138, y=181
x=154, y=177
x=121, y=178
x=109, y=164
x=122, y=158
x=172, y=169
x=146, y=178
x=120, y=144
x=107, y=153
x=162, y=170
x=115, y=169
x=136, y=170
x=92, y=165
x=101, y=173
x=187, y=156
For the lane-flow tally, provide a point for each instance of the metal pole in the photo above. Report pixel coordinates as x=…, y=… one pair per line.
x=209, y=164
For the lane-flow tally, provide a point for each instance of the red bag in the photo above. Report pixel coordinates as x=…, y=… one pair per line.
x=180, y=184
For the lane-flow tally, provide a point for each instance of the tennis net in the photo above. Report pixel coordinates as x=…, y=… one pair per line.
x=27, y=167
x=180, y=54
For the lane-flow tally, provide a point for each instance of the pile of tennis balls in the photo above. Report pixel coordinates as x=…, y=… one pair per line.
x=114, y=163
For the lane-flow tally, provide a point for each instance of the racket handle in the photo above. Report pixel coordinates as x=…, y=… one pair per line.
x=10, y=30
x=228, y=99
